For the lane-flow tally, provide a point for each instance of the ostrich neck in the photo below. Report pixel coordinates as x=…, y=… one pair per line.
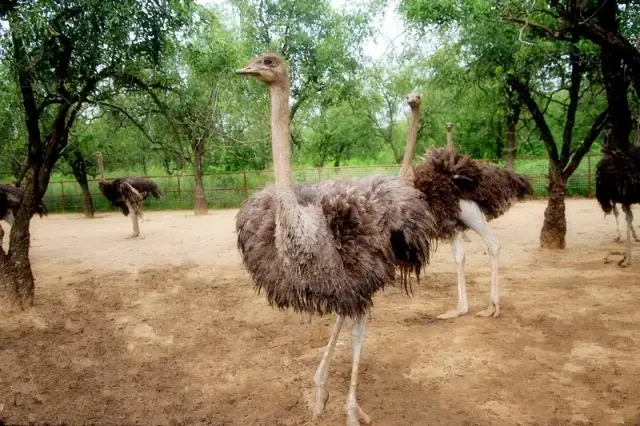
x=101, y=168
x=412, y=134
x=280, y=143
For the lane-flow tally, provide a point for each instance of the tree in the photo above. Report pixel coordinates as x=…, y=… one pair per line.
x=65, y=55
x=551, y=78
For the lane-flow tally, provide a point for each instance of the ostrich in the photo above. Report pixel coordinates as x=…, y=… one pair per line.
x=127, y=193
x=462, y=194
x=618, y=182
x=448, y=179
x=10, y=201
x=328, y=247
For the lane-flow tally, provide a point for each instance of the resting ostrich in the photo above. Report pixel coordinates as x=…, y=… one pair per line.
x=127, y=193
x=327, y=248
x=618, y=182
x=10, y=201
x=462, y=194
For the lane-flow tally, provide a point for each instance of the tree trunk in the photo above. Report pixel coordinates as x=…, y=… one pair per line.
x=78, y=165
x=15, y=266
x=554, y=228
x=200, y=200
x=511, y=145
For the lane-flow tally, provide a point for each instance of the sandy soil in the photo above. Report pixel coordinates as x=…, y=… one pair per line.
x=166, y=330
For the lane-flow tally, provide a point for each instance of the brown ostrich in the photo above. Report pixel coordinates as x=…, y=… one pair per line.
x=618, y=182
x=127, y=193
x=465, y=194
x=329, y=247
x=462, y=194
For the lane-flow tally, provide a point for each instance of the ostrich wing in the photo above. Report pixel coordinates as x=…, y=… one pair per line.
x=344, y=254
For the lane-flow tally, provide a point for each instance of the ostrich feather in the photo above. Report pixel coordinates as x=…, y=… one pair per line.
x=340, y=246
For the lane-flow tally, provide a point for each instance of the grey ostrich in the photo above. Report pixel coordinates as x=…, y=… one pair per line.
x=618, y=181
x=329, y=247
x=127, y=193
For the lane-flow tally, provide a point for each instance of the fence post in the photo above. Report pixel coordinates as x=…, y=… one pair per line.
x=179, y=193
x=589, y=176
x=319, y=169
x=244, y=183
x=62, y=196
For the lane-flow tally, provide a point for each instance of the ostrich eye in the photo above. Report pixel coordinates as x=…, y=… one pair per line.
x=268, y=62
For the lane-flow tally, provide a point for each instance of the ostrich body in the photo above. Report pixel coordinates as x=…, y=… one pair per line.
x=127, y=193
x=327, y=248
x=10, y=201
x=618, y=182
x=464, y=194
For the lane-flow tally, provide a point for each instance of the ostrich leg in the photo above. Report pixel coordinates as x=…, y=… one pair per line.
x=472, y=217
x=320, y=378
x=355, y=415
x=458, y=257
x=626, y=260
x=616, y=214
x=134, y=218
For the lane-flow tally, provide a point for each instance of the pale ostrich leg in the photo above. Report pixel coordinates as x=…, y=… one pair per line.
x=473, y=218
x=618, y=239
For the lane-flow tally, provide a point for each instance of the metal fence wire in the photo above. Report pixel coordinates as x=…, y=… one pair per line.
x=229, y=189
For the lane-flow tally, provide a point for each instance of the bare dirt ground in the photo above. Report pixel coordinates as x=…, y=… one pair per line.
x=167, y=330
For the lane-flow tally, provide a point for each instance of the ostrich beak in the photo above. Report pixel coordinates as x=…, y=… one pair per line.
x=249, y=70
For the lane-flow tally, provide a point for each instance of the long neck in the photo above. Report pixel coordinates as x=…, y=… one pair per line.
x=410, y=149
x=101, y=168
x=280, y=143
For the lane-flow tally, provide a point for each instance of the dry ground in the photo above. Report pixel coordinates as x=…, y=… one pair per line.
x=167, y=330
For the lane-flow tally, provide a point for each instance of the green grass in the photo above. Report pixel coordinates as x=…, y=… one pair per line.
x=229, y=189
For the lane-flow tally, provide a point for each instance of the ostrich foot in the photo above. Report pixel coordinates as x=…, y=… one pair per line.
x=322, y=396
x=617, y=240
x=452, y=314
x=492, y=311
x=356, y=415
x=613, y=253
x=131, y=237
x=624, y=262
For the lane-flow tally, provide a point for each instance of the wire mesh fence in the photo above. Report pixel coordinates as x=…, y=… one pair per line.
x=226, y=190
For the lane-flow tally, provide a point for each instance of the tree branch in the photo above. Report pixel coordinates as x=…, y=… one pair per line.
x=525, y=94
x=126, y=114
x=574, y=98
x=593, y=134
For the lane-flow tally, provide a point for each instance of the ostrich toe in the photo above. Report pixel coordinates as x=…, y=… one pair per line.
x=322, y=396
x=454, y=313
x=492, y=311
x=356, y=415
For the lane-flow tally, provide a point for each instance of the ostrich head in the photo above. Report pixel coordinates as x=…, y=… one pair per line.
x=414, y=99
x=269, y=68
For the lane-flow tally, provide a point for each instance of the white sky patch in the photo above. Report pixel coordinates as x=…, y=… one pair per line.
x=389, y=36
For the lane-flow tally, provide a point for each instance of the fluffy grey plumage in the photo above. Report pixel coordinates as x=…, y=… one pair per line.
x=133, y=190
x=337, y=246
x=446, y=176
x=10, y=201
